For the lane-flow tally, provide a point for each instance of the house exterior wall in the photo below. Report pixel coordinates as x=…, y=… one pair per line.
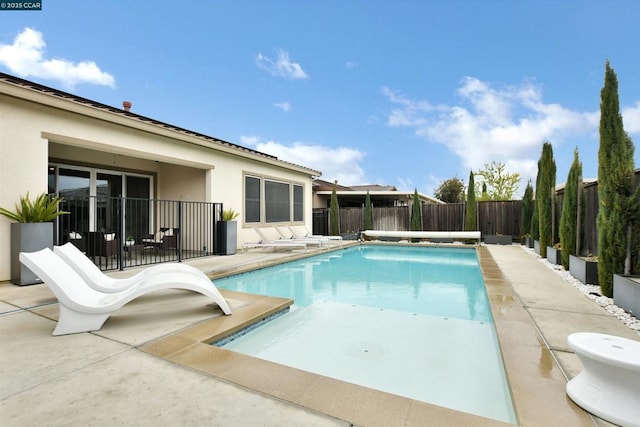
x=36, y=128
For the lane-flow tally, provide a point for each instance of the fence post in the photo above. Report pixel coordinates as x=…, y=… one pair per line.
x=120, y=232
x=180, y=234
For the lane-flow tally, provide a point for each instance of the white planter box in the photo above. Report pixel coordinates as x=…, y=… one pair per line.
x=29, y=237
x=583, y=270
x=554, y=256
x=626, y=293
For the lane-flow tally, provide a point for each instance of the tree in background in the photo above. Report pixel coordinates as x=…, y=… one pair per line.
x=570, y=211
x=544, y=192
x=416, y=220
x=450, y=190
x=535, y=221
x=615, y=187
x=485, y=195
x=526, y=211
x=471, y=216
x=368, y=213
x=635, y=231
x=500, y=184
x=334, y=215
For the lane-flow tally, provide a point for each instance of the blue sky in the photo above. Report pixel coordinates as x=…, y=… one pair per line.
x=404, y=93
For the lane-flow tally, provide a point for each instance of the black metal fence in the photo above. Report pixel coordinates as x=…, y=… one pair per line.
x=118, y=232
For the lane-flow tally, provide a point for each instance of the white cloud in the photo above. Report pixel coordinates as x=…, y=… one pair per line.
x=410, y=113
x=350, y=65
x=631, y=118
x=342, y=163
x=25, y=57
x=505, y=124
x=284, y=106
x=250, y=141
x=281, y=67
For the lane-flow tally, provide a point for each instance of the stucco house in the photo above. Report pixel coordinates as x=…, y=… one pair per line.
x=354, y=195
x=56, y=142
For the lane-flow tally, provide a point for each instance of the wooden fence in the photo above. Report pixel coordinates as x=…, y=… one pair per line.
x=494, y=217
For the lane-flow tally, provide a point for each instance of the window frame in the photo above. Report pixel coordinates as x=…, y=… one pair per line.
x=296, y=211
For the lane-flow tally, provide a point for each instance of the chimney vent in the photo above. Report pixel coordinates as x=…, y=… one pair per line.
x=126, y=105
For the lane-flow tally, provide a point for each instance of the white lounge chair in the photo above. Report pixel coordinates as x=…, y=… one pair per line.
x=288, y=236
x=300, y=231
x=103, y=283
x=83, y=309
x=265, y=242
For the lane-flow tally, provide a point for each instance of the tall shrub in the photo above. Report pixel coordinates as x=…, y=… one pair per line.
x=615, y=185
x=334, y=214
x=471, y=216
x=526, y=211
x=368, y=213
x=416, y=221
x=544, y=191
x=535, y=222
x=569, y=219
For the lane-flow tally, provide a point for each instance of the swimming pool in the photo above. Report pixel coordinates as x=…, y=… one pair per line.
x=412, y=321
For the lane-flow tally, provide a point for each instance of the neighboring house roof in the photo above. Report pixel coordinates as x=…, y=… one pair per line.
x=325, y=188
x=373, y=187
x=321, y=185
x=133, y=118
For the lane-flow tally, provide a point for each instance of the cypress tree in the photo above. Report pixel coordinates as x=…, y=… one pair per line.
x=471, y=216
x=544, y=192
x=615, y=185
x=535, y=222
x=526, y=211
x=416, y=221
x=334, y=214
x=368, y=213
x=569, y=219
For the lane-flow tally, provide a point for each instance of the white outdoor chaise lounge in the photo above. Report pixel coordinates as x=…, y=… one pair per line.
x=300, y=231
x=103, y=283
x=287, y=236
x=266, y=243
x=83, y=309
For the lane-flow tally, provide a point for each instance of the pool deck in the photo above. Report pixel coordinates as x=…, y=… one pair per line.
x=151, y=365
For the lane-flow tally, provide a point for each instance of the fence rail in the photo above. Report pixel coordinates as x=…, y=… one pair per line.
x=118, y=232
x=493, y=218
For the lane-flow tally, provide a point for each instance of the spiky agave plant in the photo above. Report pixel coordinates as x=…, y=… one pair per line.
x=43, y=208
x=229, y=214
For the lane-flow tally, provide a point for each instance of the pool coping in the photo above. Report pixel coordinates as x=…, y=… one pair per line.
x=523, y=349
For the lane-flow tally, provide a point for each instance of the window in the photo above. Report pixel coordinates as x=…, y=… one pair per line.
x=276, y=199
x=270, y=201
x=251, y=199
x=298, y=203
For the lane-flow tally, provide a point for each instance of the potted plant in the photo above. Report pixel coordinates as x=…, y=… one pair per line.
x=130, y=240
x=497, y=239
x=554, y=254
x=528, y=240
x=585, y=269
x=228, y=232
x=31, y=231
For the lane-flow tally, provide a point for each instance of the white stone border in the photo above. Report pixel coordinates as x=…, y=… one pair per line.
x=589, y=290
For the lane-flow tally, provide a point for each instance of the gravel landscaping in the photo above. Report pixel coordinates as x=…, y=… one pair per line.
x=592, y=292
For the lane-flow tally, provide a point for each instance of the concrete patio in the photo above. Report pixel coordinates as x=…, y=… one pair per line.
x=151, y=363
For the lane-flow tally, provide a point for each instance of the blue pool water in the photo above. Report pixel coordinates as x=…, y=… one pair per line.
x=413, y=321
